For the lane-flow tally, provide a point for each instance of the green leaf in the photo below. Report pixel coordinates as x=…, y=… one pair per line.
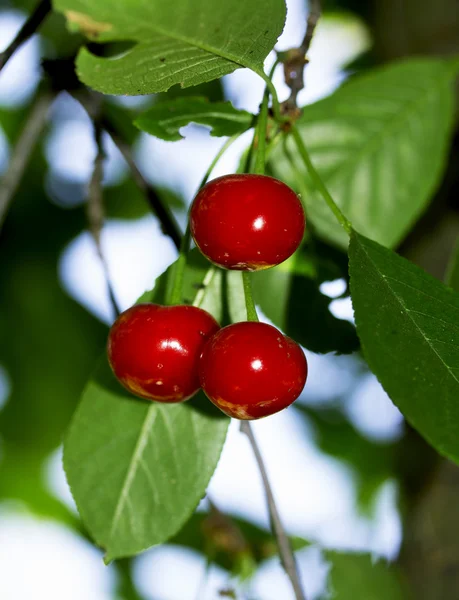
x=175, y=42
x=290, y=297
x=137, y=470
x=452, y=276
x=165, y=119
x=357, y=576
x=408, y=324
x=380, y=144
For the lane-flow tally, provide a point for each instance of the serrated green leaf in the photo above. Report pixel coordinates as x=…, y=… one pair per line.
x=380, y=144
x=137, y=470
x=357, y=576
x=452, y=276
x=408, y=324
x=165, y=119
x=175, y=42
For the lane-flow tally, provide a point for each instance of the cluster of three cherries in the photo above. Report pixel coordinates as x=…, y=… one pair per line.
x=248, y=369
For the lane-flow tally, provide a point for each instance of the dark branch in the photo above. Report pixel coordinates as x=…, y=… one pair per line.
x=295, y=59
x=41, y=11
x=167, y=220
x=285, y=550
x=95, y=207
x=28, y=138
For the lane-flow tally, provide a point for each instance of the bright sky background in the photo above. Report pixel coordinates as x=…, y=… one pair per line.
x=316, y=495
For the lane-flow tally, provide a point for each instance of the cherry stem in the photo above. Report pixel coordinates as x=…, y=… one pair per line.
x=175, y=293
x=178, y=273
x=249, y=303
x=260, y=160
x=317, y=180
x=286, y=554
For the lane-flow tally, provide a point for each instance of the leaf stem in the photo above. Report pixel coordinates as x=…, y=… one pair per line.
x=34, y=21
x=285, y=550
x=249, y=303
x=317, y=180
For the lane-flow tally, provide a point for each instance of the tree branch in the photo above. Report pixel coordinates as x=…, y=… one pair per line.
x=285, y=550
x=168, y=223
x=40, y=12
x=28, y=138
x=95, y=208
x=294, y=60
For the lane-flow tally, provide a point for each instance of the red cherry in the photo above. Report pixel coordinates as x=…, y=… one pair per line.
x=247, y=222
x=251, y=370
x=154, y=350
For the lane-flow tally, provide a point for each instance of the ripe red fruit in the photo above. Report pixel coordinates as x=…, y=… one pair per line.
x=251, y=370
x=154, y=350
x=247, y=222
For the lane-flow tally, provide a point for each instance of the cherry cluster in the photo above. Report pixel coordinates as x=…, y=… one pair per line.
x=249, y=369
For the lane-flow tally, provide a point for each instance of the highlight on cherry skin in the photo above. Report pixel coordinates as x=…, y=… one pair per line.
x=251, y=370
x=154, y=350
x=247, y=222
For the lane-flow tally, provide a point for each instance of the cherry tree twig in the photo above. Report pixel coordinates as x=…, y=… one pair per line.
x=23, y=149
x=95, y=208
x=40, y=12
x=168, y=223
x=295, y=59
x=285, y=550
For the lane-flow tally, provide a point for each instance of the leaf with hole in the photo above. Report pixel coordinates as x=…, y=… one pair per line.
x=380, y=144
x=408, y=324
x=178, y=42
x=165, y=119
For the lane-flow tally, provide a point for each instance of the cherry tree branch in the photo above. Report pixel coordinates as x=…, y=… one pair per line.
x=95, y=208
x=36, y=120
x=294, y=60
x=285, y=550
x=40, y=12
x=168, y=223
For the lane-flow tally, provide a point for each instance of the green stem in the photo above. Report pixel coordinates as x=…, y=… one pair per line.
x=249, y=303
x=275, y=100
x=217, y=157
x=175, y=288
x=319, y=184
x=250, y=153
x=178, y=274
x=261, y=130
